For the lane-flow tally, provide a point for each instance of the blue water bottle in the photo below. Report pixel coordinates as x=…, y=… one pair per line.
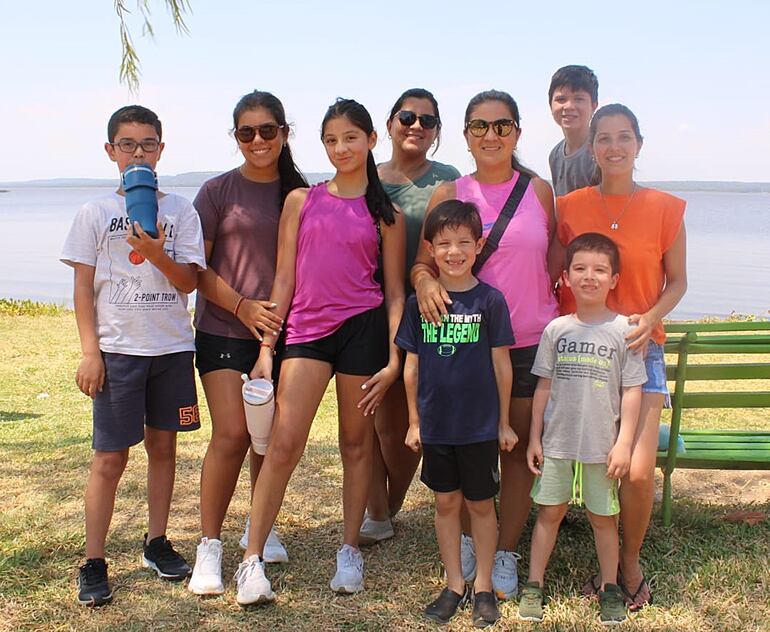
x=140, y=185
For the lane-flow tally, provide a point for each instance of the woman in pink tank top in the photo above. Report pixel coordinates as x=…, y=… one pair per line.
x=340, y=321
x=519, y=269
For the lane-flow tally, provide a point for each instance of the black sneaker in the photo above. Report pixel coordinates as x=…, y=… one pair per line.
x=94, y=588
x=161, y=557
x=485, y=610
x=445, y=606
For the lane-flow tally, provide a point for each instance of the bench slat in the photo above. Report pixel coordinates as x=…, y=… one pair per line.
x=725, y=433
x=722, y=463
x=760, y=325
x=757, y=399
x=747, y=371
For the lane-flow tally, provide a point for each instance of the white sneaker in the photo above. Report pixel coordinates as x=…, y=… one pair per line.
x=274, y=552
x=349, y=577
x=253, y=586
x=505, y=574
x=467, y=557
x=207, y=574
x=374, y=531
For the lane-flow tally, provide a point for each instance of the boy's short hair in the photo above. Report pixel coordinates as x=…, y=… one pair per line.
x=575, y=78
x=133, y=114
x=595, y=242
x=453, y=214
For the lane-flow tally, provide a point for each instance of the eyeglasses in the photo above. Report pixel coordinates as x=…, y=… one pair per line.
x=247, y=133
x=427, y=121
x=129, y=146
x=479, y=127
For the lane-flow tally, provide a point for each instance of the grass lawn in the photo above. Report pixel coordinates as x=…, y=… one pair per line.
x=707, y=574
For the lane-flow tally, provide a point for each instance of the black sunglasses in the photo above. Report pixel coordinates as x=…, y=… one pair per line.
x=479, y=127
x=247, y=133
x=427, y=121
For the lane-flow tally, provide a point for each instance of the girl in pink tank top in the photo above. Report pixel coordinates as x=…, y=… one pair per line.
x=519, y=269
x=330, y=239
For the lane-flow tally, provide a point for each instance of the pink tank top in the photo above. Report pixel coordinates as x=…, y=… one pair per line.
x=518, y=267
x=336, y=260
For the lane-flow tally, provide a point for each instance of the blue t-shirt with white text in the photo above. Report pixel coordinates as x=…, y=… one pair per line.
x=457, y=395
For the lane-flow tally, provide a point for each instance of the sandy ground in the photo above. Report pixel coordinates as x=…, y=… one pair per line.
x=720, y=487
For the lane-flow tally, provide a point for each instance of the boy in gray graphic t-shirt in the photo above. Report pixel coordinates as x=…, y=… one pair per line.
x=584, y=417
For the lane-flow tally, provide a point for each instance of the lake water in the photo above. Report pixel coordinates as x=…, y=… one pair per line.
x=728, y=247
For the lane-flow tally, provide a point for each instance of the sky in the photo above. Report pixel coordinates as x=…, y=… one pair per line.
x=697, y=74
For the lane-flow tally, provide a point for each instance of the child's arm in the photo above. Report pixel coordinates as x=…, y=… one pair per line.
x=501, y=362
x=183, y=276
x=619, y=458
x=253, y=313
x=90, y=373
x=411, y=366
x=535, y=449
x=393, y=264
x=283, y=286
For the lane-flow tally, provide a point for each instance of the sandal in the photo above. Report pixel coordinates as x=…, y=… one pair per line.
x=633, y=601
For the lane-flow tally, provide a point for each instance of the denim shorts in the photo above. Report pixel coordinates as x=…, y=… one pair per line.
x=655, y=365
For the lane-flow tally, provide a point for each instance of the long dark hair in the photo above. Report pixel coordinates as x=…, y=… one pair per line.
x=289, y=174
x=612, y=109
x=377, y=201
x=507, y=100
x=419, y=93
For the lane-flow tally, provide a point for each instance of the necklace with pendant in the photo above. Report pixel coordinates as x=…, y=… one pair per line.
x=614, y=222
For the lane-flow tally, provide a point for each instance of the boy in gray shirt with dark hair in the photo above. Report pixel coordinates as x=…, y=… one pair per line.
x=589, y=382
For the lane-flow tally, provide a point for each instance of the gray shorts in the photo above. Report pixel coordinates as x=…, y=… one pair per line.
x=157, y=391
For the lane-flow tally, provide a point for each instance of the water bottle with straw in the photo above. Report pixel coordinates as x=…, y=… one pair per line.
x=259, y=404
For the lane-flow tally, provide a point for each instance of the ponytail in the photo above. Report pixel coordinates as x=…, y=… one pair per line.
x=377, y=200
x=289, y=174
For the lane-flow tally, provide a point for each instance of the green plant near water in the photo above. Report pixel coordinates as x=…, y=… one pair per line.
x=707, y=574
x=26, y=307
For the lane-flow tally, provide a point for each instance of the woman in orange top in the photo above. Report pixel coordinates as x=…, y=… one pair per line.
x=648, y=227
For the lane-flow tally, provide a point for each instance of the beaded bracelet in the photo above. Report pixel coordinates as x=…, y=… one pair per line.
x=268, y=345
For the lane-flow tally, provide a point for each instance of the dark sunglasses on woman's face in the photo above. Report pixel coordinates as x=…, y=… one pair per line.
x=479, y=127
x=407, y=119
x=247, y=133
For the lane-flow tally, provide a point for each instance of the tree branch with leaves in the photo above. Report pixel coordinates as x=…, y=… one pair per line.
x=129, y=63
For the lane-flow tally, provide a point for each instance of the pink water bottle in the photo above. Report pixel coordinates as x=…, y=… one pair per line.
x=259, y=404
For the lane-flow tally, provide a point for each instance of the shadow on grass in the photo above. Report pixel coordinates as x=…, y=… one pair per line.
x=6, y=416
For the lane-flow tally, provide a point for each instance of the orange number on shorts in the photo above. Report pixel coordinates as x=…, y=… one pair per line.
x=189, y=415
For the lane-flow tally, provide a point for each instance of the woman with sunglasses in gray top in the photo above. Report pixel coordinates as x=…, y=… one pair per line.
x=409, y=178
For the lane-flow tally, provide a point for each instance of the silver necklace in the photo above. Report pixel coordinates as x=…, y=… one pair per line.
x=614, y=222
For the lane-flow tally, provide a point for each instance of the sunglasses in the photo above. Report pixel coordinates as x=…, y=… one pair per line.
x=427, y=121
x=129, y=146
x=479, y=127
x=247, y=133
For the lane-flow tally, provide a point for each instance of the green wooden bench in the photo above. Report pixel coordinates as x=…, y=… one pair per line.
x=715, y=449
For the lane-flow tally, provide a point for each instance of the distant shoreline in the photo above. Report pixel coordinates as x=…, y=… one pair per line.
x=197, y=178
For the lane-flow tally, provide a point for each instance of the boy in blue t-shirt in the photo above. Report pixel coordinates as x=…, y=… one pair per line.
x=137, y=343
x=458, y=385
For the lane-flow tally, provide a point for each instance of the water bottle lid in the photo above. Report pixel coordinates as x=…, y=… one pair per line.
x=139, y=174
x=257, y=392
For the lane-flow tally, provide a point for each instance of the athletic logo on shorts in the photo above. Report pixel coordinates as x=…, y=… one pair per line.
x=495, y=475
x=446, y=350
x=189, y=415
x=222, y=356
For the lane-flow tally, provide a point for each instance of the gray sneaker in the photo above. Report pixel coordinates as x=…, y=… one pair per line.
x=612, y=608
x=505, y=574
x=531, y=602
x=467, y=557
x=374, y=531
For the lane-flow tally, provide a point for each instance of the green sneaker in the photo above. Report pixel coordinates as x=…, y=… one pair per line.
x=531, y=602
x=612, y=608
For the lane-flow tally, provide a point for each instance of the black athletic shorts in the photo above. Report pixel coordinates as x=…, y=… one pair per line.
x=139, y=391
x=524, y=381
x=358, y=347
x=220, y=352
x=471, y=468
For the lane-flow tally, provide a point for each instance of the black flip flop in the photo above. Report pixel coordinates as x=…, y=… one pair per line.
x=591, y=586
x=633, y=606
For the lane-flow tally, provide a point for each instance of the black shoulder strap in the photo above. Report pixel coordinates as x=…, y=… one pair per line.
x=505, y=217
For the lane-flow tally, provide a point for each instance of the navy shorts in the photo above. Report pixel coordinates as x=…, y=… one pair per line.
x=157, y=391
x=524, y=381
x=220, y=352
x=358, y=347
x=471, y=468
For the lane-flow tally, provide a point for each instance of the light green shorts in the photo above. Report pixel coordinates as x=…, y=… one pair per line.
x=564, y=480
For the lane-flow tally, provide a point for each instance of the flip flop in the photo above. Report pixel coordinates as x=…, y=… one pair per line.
x=632, y=599
x=592, y=586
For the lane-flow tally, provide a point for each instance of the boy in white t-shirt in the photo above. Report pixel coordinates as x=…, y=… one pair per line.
x=584, y=417
x=137, y=343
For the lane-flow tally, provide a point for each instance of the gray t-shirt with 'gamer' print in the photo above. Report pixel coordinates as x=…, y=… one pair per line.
x=588, y=366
